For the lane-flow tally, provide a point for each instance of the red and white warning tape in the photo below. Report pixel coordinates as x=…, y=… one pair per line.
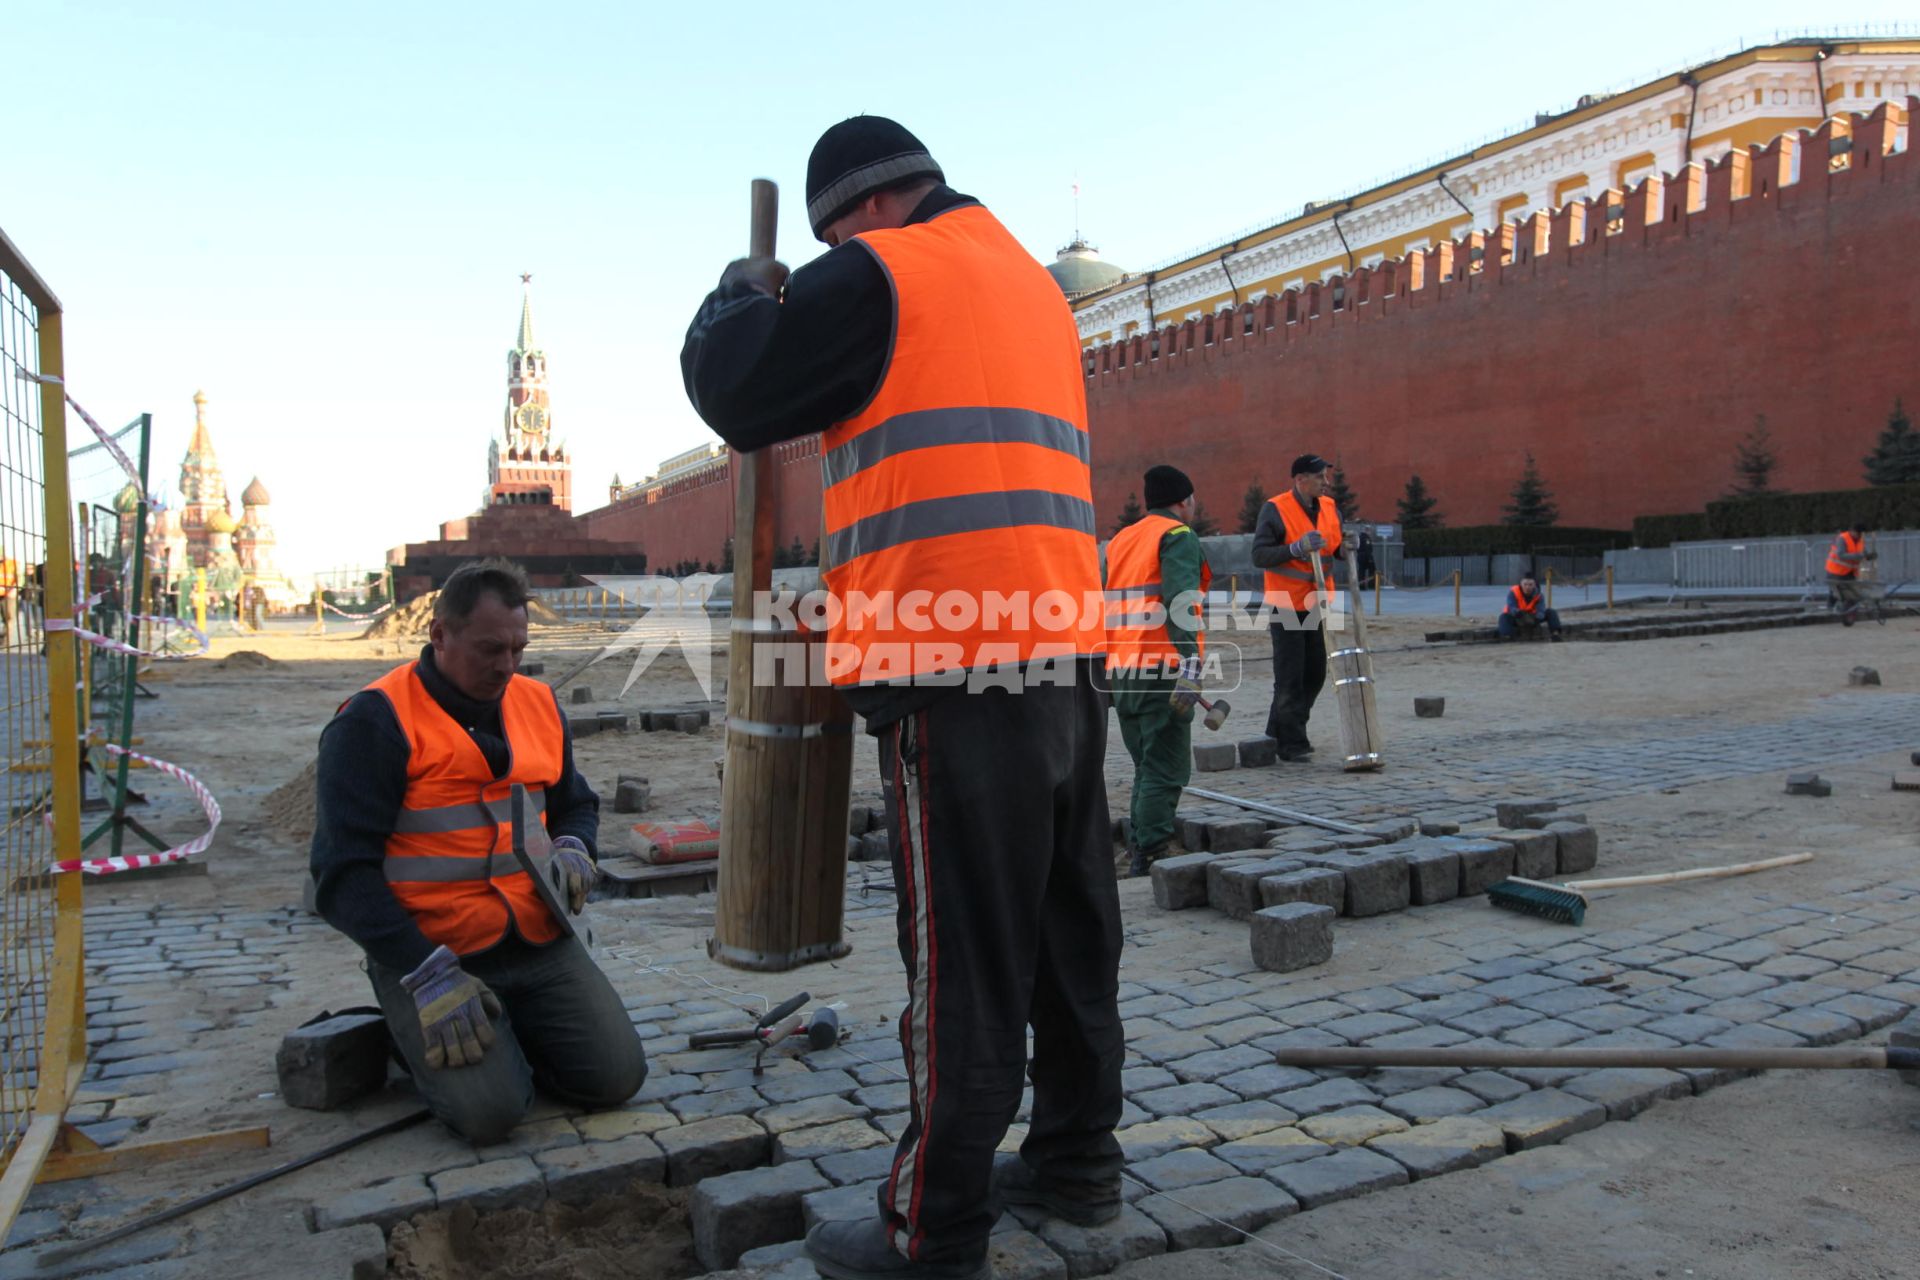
x=120, y=646
x=180, y=852
x=364, y=617
x=107, y=442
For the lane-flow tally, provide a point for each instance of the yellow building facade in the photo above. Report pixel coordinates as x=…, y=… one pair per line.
x=1609, y=142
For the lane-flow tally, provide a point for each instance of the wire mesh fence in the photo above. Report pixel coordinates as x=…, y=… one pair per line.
x=42, y=1030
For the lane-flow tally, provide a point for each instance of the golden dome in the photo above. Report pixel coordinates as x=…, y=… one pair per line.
x=222, y=522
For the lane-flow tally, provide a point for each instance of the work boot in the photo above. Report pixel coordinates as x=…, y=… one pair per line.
x=1083, y=1204
x=1143, y=860
x=861, y=1251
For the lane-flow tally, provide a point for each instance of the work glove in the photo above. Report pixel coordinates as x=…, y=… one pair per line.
x=768, y=275
x=1186, y=687
x=456, y=1011
x=1871, y=555
x=1307, y=543
x=577, y=866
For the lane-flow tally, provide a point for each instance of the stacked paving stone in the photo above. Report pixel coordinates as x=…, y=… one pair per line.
x=1290, y=883
x=1671, y=626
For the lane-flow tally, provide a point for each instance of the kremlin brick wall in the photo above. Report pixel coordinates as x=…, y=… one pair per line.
x=1628, y=341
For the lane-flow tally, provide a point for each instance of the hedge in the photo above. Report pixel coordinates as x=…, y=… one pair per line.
x=1785, y=515
x=1509, y=539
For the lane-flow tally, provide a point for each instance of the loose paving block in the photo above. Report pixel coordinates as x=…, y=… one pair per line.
x=1094, y=1251
x=492, y=1184
x=1438, y=827
x=1429, y=708
x=1906, y=1035
x=1256, y=753
x=1353, y=842
x=1184, y=1099
x=533, y=668
x=383, y=1204
x=1863, y=676
x=1394, y=829
x=1906, y=779
x=583, y=726
x=1235, y=890
x=1433, y=875
x=1187, y=1167
x=1483, y=864
x=1376, y=884
x=1577, y=846
x=1240, y=1120
x=1142, y=1142
x=1460, y=1142
x=581, y=695
x=1509, y=812
x=1229, y=835
x=874, y=847
x=1260, y=1152
x=1022, y=1255
x=329, y=1064
x=1341, y=1176
x=746, y=1210
x=841, y=1204
x=1436, y=1102
x=705, y=1148
x=805, y=1113
x=1213, y=757
x=1328, y=1095
x=1627, y=1091
x=1316, y=886
x=1542, y=1117
x=1207, y=1217
x=1293, y=936
x=1535, y=853
x=1351, y=1126
x=1808, y=784
x=1180, y=882
x=1541, y=821
x=1193, y=831
x=594, y=1169
x=614, y=721
x=632, y=795
x=690, y=721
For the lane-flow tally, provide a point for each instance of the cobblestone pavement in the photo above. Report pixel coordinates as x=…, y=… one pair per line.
x=1218, y=1136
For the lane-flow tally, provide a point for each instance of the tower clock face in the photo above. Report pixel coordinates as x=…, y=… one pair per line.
x=533, y=419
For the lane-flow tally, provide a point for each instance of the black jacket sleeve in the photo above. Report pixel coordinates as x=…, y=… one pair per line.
x=760, y=369
x=360, y=784
x=572, y=807
x=1270, y=539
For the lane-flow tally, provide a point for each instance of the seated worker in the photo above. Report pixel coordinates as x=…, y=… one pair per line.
x=1844, y=558
x=487, y=995
x=1527, y=609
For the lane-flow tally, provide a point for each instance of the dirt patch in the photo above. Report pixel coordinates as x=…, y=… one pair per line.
x=250, y=660
x=412, y=619
x=290, y=808
x=641, y=1231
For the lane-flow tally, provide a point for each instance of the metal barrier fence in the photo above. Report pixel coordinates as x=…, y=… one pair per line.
x=1774, y=563
x=42, y=1005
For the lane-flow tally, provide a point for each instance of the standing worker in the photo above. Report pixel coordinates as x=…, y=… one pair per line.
x=1291, y=527
x=1844, y=558
x=485, y=992
x=942, y=365
x=9, y=595
x=1157, y=577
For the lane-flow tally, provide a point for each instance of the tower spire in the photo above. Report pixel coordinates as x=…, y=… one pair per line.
x=525, y=342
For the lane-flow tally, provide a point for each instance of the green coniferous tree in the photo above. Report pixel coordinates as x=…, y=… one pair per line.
x=1896, y=455
x=1250, y=504
x=1129, y=513
x=1416, y=506
x=1754, y=461
x=1202, y=524
x=1345, y=501
x=1532, y=501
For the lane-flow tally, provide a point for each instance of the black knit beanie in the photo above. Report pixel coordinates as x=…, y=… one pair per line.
x=1167, y=485
x=858, y=157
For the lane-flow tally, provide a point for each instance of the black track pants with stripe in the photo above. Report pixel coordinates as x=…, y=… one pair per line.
x=1009, y=916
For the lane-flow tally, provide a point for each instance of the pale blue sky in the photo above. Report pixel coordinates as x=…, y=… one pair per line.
x=319, y=212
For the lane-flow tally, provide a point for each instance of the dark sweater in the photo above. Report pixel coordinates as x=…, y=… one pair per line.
x=361, y=783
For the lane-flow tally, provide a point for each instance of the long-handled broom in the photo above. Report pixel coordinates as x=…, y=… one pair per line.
x=1567, y=902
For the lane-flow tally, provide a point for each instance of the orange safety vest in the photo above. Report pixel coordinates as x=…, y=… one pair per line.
x=1292, y=583
x=1137, y=639
x=959, y=500
x=9, y=576
x=1518, y=603
x=450, y=858
x=1845, y=544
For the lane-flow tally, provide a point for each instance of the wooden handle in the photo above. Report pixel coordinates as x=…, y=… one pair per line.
x=766, y=218
x=1840, y=1058
x=1698, y=873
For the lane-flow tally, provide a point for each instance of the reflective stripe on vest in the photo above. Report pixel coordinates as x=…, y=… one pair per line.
x=1844, y=544
x=1137, y=637
x=1517, y=603
x=450, y=857
x=1292, y=583
x=968, y=470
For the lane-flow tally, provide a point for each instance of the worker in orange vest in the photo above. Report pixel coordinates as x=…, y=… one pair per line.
x=1157, y=578
x=487, y=995
x=1292, y=526
x=941, y=366
x=1526, y=609
x=1844, y=558
x=9, y=595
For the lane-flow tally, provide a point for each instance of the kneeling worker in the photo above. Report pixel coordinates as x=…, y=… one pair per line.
x=1527, y=609
x=486, y=994
x=1156, y=576
x=1844, y=558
